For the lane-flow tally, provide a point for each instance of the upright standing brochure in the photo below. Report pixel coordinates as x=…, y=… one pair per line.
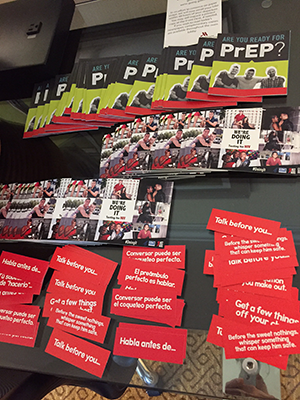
x=178, y=68
x=251, y=65
x=140, y=99
x=96, y=75
x=127, y=73
x=36, y=100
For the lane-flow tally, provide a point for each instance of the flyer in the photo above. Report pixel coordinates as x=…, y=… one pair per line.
x=115, y=211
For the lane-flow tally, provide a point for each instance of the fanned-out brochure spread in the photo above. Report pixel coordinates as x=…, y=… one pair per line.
x=210, y=73
x=241, y=139
x=115, y=211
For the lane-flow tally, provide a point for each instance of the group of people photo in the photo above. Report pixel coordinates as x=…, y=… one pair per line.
x=249, y=80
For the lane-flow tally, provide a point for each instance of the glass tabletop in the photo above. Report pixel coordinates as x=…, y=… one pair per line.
x=204, y=372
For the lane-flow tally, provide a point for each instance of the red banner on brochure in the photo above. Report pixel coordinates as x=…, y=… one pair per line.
x=242, y=225
x=78, y=352
x=169, y=256
x=151, y=343
x=154, y=277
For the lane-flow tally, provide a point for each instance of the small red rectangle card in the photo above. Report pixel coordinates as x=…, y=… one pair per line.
x=75, y=300
x=250, y=309
x=84, y=263
x=235, y=277
x=150, y=343
x=13, y=284
x=23, y=267
x=278, y=287
x=78, y=352
x=231, y=247
x=256, y=340
x=151, y=277
x=208, y=268
x=215, y=332
x=14, y=297
x=89, y=326
x=67, y=283
x=244, y=226
x=143, y=304
x=18, y=324
x=169, y=256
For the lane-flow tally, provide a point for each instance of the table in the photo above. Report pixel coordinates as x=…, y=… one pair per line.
x=272, y=197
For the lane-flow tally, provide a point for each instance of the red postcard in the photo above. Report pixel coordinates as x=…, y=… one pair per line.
x=74, y=300
x=150, y=343
x=27, y=267
x=256, y=340
x=208, y=268
x=147, y=305
x=78, y=352
x=244, y=226
x=141, y=275
x=170, y=256
x=83, y=263
x=252, y=309
x=19, y=324
x=89, y=326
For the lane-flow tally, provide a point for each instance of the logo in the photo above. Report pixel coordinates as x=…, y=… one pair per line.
x=258, y=169
x=131, y=242
x=151, y=243
x=282, y=170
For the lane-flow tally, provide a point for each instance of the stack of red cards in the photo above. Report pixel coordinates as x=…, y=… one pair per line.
x=21, y=278
x=151, y=280
x=74, y=303
x=253, y=265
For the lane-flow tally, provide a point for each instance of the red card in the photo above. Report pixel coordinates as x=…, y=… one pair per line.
x=208, y=268
x=154, y=277
x=14, y=297
x=215, y=332
x=279, y=287
x=250, y=341
x=232, y=247
x=24, y=267
x=78, y=352
x=65, y=283
x=83, y=263
x=18, y=324
x=147, y=305
x=247, y=308
x=244, y=226
x=227, y=279
x=170, y=256
x=150, y=343
x=14, y=284
x=215, y=336
x=89, y=326
x=74, y=300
